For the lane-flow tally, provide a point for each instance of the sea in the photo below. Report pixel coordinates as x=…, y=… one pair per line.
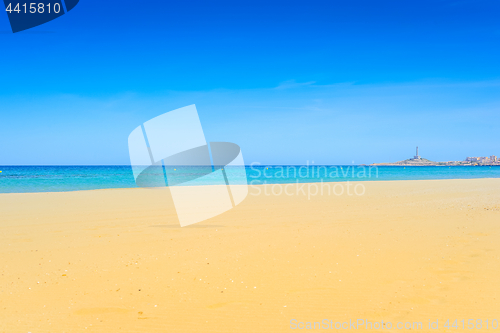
x=30, y=179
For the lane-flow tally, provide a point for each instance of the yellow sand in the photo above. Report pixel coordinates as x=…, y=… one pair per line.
x=116, y=260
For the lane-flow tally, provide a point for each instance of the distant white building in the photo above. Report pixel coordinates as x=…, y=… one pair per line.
x=482, y=159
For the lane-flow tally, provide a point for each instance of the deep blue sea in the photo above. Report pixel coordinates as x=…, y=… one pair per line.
x=22, y=179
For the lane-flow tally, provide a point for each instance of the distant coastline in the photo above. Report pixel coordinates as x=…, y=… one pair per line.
x=469, y=161
x=431, y=163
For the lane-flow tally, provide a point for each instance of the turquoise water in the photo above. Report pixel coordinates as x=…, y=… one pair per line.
x=22, y=179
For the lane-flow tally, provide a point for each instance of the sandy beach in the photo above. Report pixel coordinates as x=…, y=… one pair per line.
x=118, y=261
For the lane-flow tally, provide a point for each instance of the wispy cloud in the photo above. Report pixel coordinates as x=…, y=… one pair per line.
x=290, y=84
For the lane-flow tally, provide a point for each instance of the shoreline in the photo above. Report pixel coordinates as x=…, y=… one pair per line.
x=250, y=185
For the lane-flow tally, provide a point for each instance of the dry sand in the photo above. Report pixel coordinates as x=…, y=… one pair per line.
x=117, y=260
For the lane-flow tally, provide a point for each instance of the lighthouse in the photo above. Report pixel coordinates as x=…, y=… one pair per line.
x=416, y=157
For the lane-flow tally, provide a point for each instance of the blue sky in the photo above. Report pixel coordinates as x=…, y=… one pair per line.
x=290, y=82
